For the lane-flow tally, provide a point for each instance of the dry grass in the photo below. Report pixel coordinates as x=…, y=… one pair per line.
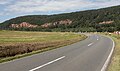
x=115, y=62
x=17, y=37
x=16, y=44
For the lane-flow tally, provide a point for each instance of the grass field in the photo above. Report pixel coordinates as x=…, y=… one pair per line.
x=115, y=61
x=15, y=36
x=17, y=44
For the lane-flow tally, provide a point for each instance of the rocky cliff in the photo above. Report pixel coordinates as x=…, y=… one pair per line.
x=106, y=22
x=23, y=24
x=62, y=22
x=46, y=25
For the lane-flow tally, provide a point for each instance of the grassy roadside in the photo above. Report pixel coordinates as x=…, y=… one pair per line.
x=115, y=61
x=43, y=40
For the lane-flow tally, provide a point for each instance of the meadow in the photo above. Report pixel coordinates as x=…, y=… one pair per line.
x=115, y=61
x=114, y=64
x=17, y=44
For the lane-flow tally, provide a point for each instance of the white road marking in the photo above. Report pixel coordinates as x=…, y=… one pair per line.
x=97, y=38
x=109, y=57
x=47, y=63
x=90, y=44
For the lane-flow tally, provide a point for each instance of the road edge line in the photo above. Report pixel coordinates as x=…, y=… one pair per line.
x=109, y=57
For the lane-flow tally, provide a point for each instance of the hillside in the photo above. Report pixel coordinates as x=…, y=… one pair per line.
x=101, y=20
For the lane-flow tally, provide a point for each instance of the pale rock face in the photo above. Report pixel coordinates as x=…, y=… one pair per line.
x=106, y=22
x=62, y=22
x=46, y=25
x=66, y=22
x=15, y=25
x=23, y=24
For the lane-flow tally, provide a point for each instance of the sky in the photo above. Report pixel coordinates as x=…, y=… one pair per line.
x=14, y=8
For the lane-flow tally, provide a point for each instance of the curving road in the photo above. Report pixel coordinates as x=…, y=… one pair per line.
x=87, y=55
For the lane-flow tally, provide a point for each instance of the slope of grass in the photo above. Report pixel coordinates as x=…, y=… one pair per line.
x=115, y=61
x=16, y=44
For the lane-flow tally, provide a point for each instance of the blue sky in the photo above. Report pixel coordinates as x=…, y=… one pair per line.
x=14, y=8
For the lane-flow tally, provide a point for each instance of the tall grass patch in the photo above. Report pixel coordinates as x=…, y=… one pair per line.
x=13, y=43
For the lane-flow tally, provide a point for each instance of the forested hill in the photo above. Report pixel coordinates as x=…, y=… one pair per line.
x=101, y=20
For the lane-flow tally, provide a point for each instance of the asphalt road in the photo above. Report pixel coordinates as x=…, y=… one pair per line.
x=87, y=55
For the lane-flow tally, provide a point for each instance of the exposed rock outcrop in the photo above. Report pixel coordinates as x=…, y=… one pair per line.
x=23, y=24
x=62, y=22
x=46, y=25
x=106, y=22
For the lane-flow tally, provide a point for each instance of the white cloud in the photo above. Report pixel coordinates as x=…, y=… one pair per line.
x=30, y=6
x=1, y=13
x=46, y=5
x=106, y=3
x=2, y=2
x=13, y=8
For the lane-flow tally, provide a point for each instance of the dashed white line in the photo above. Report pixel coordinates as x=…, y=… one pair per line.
x=90, y=44
x=97, y=38
x=47, y=63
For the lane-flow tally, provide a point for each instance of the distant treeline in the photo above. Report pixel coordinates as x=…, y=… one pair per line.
x=83, y=21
